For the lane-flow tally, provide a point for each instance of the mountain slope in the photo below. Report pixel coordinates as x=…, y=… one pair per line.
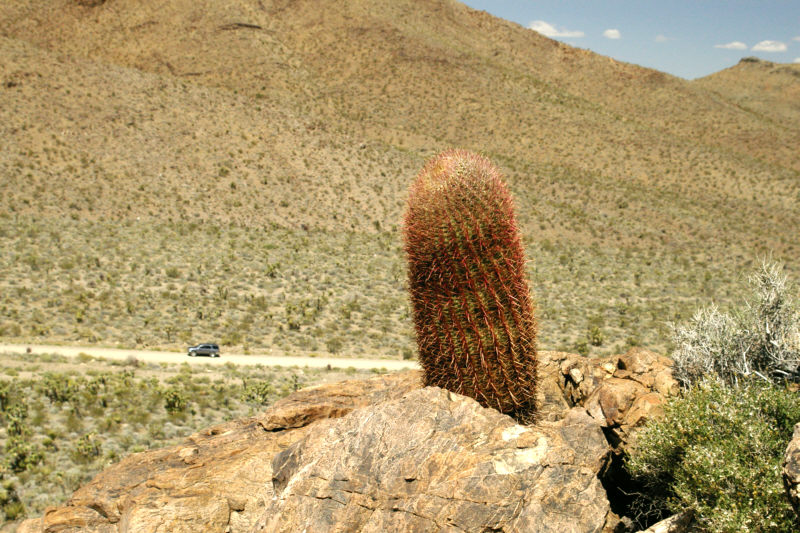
x=761, y=87
x=291, y=130
x=381, y=60
x=426, y=75
x=113, y=142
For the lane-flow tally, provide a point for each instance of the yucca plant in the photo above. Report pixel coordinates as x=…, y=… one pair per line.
x=474, y=320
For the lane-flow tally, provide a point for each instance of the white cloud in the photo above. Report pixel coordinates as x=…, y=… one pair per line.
x=797, y=59
x=661, y=38
x=545, y=28
x=612, y=34
x=796, y=38
x=770, y=46
x=735, y=45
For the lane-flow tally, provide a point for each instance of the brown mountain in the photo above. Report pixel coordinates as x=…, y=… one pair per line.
x=424, y=75
x=317, y=114
x=767, y=90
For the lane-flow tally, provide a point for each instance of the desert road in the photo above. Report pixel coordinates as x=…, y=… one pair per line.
x=147, y=356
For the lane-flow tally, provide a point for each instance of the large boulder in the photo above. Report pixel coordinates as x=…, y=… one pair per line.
x=435, y=461
x=386, y=454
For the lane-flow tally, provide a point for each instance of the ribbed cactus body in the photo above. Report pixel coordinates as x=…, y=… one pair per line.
x=474, y=320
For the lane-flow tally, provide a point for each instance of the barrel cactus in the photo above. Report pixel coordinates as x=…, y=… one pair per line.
x=474, y=320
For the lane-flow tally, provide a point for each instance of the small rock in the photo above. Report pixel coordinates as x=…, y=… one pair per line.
x=678, y=523
x=188, y=454
x=791, y=470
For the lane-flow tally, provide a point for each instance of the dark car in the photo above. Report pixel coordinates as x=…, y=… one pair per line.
x=212, y=350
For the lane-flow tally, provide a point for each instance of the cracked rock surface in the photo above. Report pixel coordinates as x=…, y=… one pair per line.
x=791, y=470
x=385, y=454
x=435, y=461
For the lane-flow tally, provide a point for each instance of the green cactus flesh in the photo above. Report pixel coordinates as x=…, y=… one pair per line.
x=473, y=315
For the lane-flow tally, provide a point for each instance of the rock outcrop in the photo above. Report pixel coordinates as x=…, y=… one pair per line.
x=791, y=470
x=385, y=454
x=435, y=461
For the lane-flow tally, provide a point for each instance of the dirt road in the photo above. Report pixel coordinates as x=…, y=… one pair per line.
x=146, y=356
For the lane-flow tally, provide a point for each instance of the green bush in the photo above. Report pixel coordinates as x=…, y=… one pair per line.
x=174, y=401
x=718, y=450
x=20, y=454
x=261, y=392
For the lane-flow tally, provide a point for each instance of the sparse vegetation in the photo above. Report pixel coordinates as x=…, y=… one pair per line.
x=293, y=291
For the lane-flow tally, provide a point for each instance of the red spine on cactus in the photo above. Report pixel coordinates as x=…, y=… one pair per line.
x=474, y=320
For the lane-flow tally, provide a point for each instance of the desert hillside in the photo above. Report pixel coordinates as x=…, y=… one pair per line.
x=238, y=170
x=763, y=88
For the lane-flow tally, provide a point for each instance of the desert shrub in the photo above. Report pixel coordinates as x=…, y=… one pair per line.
x=20, y=454
x=86, y=448
x=261, y=392
x=59, y=388
x=174, y=400
x=761, y=338
x=718, y=450
x=10, y=504
x=84, y=358
x=7, y=393
x=334, y=345
x=595, y=336
x=15, y=419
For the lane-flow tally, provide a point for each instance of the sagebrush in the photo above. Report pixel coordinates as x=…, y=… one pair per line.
x=760, y=338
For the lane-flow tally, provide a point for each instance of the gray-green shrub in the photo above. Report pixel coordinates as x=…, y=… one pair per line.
x=760, y=338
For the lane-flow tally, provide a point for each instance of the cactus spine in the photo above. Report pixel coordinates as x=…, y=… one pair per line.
x=474, y=320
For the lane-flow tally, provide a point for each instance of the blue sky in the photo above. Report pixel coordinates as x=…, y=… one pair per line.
x=690, y=39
